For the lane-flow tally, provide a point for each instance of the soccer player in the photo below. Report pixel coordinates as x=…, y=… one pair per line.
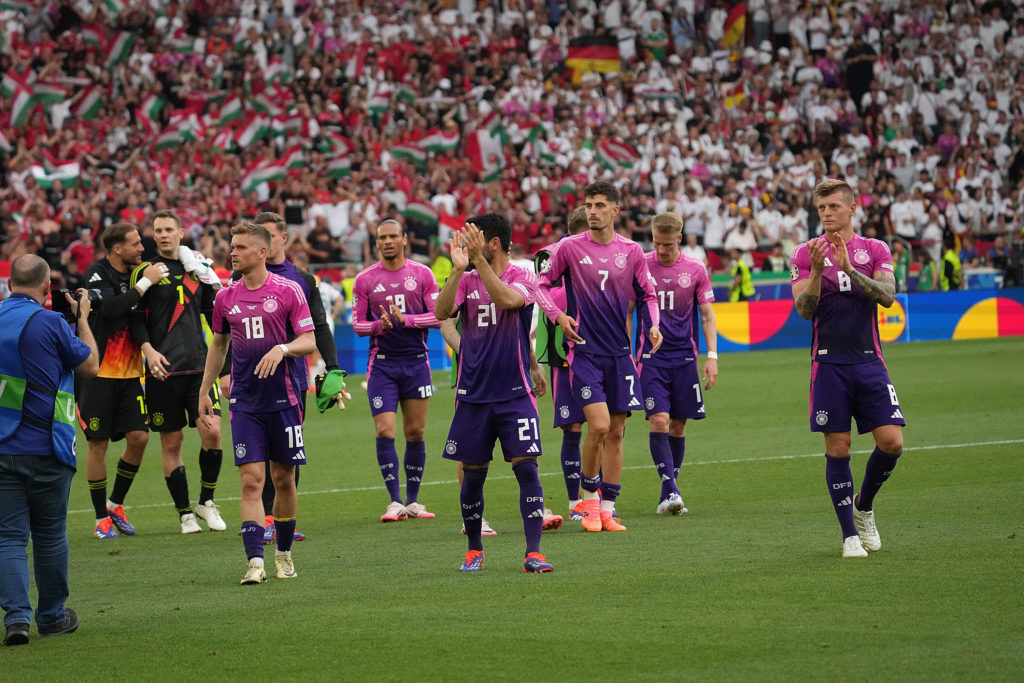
x=568, y=413
x=668, y=379
x=168, y=328
x=494, y=393
x=111, y=406
x=838, y=281
x=279, y=265
x=602, y=271
x=266, y=320
x=393, y=303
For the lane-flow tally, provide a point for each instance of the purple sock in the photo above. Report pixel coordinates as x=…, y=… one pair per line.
x=472, y=499
x=840, y=487
x=415, y=459
x=678, y=446
x=880, y=466
x=610, y=492
x=252, y=539
x=661, y=454
x=285, y=532
x=589, y=484
x=571, y=463
x=387, y=459
x=531, y=502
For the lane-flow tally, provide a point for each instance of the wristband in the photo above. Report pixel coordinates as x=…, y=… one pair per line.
x=143, y=284
x=713, y=355
x=284, y=349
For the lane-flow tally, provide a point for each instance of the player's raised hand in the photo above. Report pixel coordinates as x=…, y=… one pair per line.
x=710, y=373
x=655, y=336
x=569, y=327
x=268, y=364
x=475, y=242
x=818, y=249
x=385, y=320
x=840, y=256
x=457, y=246
x=396, y=313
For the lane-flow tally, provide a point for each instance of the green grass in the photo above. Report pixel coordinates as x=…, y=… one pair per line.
x=748, y=586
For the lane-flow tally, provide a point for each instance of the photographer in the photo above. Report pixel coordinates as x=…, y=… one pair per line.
x=111, y=406
x=37, y=447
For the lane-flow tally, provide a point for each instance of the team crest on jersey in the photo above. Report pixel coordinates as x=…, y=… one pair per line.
x=585, y=393
x=564, y=412
x=649, y=403
x=94, y=423
x=451, y=447
x=157, y=419
x=684, y=280
x=270, y=305
x=240, y=451
x=410, y=284
x=620, y=260
x=378, y=402
x=860, y=256
x=821, y=418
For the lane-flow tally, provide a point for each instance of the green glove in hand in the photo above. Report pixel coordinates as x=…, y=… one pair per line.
x=330, y=390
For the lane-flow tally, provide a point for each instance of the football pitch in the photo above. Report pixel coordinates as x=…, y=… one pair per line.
x=749, y=585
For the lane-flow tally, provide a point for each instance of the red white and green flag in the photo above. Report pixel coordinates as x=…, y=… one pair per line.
x=151, y=107
x=5, y=144
x=287, y=124
x=119, y=47
x=380, y=102
x=253, y=129
x=438, y=140
x=484, y=149
x=293, y=158
x=224, y=139
x=335, y=143
x=277, y=72
x=413, y=153
x=12, y=82
x=89, y=105
x=406, y=93
x=113, y=7
x=423, y=212
x=339, y=167
x=230, y=110
x=92, y=38
x=170, y=137
x=263, y=173
x=67, y=174
x=21, y=107
x=23, y=6
x=567, y=185
x=615, y=154
x=48, y=93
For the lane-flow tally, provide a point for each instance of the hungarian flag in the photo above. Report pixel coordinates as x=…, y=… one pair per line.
x=423, y=212
x=484, y=148
x=90, y=104
x=735, y=25
x=613, y=154
x=593, y=53
x=262, y=172
x=412, y=152
x=339, y=167
x=293, y=158
x=119, y=47
x=437, y=140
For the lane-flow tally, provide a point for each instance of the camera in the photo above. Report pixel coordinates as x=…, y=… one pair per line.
x=61, y=305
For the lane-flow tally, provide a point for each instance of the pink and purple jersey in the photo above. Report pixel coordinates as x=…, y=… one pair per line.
x=258, y=320
x=600, y=281
x=494, y=357
x=846, y=321
x=681, y=288
x=413, y=290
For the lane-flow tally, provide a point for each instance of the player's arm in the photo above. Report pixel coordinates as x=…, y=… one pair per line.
x=362, y=324
x=504, y=297
x=302, y=345
x=707, y=323
x=807, y=290
x=645, y=283
x=450, y=334
x=881, y=289
x=540, y=383
x=549, y=273
x=446, y=305
x=421, y=320
x=321, y=329
x=215, y=356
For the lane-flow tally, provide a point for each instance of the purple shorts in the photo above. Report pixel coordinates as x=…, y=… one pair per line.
x=862, y=391
x=567, y=410
x=386, y=385
x=605, y=379
x=674, y=390
x=276, y=436
x=476, y=426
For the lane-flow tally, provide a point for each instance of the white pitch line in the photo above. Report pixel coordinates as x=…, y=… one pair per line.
x=449, y=482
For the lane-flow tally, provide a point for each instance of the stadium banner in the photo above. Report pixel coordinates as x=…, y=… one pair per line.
x=761, y=325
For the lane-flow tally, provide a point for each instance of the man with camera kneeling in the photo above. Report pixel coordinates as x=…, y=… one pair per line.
x=111, y=406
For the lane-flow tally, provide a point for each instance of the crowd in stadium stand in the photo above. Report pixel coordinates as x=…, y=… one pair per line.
x=339, y=113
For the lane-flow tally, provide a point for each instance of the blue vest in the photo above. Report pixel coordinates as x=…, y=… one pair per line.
x=15, y=313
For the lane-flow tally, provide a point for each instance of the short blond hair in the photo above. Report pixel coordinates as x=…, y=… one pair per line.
x=831, y=186
x=668, y=223
x=258, y=231
x=577, y=221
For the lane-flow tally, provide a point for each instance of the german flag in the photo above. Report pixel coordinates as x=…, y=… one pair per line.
x=735, y=25
x=593, y=53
